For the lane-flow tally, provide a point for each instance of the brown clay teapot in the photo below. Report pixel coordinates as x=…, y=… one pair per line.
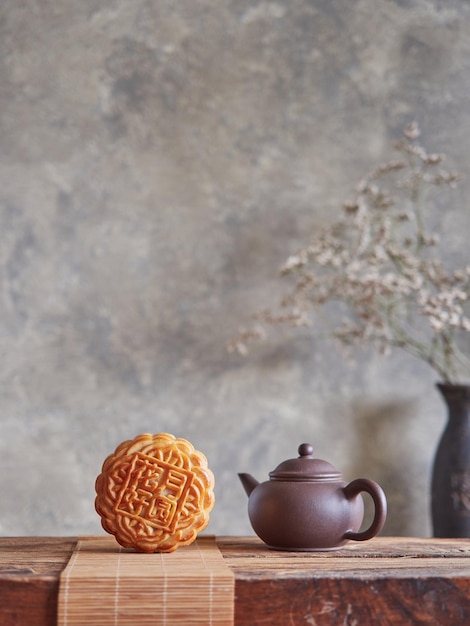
x=306, y=505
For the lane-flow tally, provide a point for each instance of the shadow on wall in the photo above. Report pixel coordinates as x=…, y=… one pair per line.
x=384, y=452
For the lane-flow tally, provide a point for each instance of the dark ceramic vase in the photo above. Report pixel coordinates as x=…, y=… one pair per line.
x=450, y=491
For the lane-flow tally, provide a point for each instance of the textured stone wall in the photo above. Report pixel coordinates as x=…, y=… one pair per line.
x=158, y=162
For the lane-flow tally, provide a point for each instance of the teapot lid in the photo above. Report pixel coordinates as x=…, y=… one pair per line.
x=305, y=468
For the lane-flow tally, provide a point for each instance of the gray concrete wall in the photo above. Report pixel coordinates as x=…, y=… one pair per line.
x=158, y=161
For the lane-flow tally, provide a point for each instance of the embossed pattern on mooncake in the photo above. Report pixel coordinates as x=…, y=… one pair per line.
x=155, y=493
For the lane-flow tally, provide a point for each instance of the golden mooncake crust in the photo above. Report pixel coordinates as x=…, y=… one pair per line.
x=155, y=493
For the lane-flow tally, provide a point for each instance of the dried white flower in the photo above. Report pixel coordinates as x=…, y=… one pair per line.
x=412, y=131
x=465, y=323
x=379, y=261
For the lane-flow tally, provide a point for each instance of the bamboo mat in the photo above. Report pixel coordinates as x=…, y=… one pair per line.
x=106, y=585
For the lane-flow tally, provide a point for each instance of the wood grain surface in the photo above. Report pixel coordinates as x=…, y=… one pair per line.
x=29, y=579
x=386, y=580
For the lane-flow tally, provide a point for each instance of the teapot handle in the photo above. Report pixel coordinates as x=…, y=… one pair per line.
x=380, y=502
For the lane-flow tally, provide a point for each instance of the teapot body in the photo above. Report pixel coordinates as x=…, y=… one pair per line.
x=306, y=505
x=304, y=516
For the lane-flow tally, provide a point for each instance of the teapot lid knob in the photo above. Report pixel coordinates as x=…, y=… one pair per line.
x=305, y=449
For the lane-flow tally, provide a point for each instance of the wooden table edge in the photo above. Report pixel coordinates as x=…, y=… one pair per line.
x=30, y=569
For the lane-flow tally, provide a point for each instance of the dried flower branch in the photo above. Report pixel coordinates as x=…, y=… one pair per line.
x=379, y=261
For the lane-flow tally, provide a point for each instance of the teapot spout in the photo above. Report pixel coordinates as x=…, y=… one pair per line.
x=248, y=482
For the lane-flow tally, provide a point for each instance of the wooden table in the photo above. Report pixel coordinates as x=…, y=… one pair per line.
x=382, y=581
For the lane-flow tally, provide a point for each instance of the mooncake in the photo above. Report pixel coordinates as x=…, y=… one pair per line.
x=155, y=493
